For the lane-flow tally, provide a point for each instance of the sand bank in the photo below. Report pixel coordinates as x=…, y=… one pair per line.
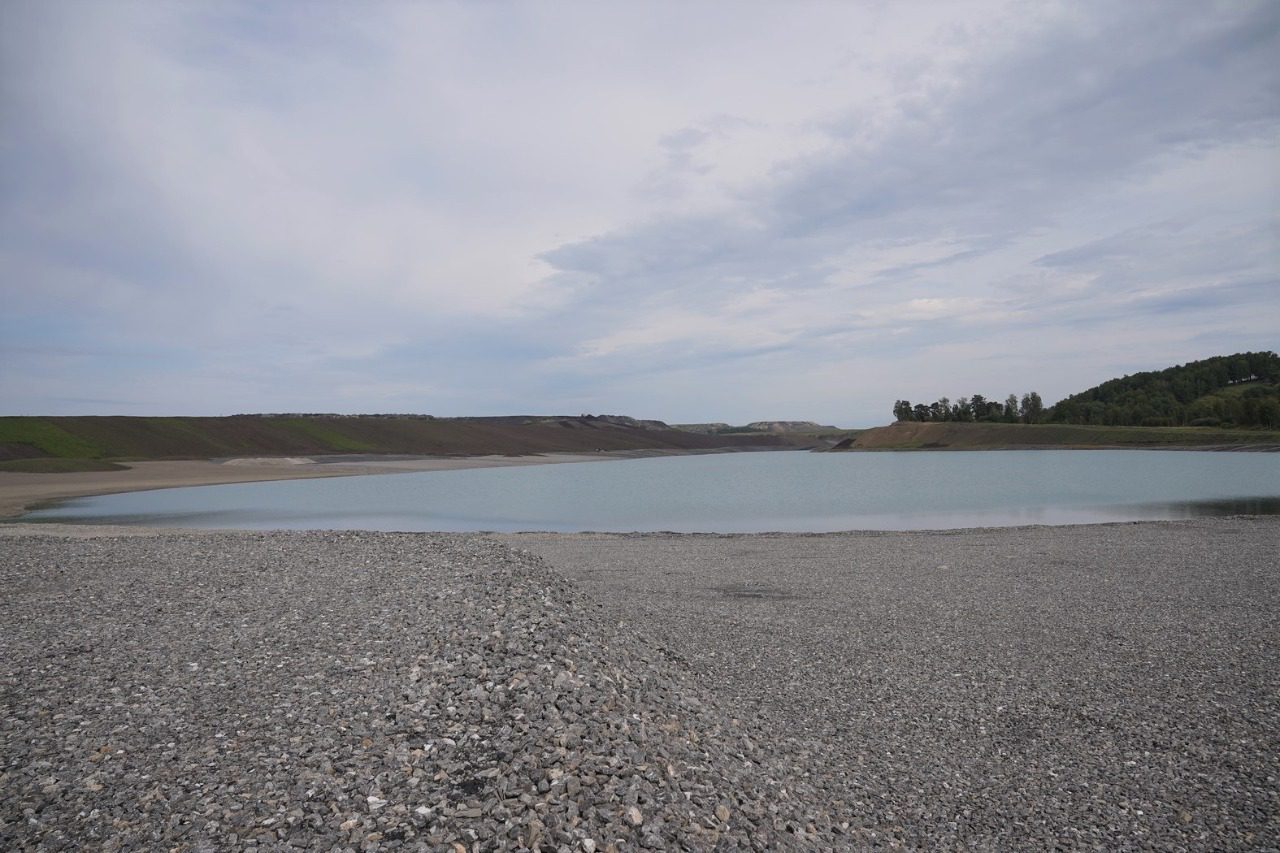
x=20, y=491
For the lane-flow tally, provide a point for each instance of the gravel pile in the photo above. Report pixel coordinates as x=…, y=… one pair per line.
x=355, y=691
x=1108, y=687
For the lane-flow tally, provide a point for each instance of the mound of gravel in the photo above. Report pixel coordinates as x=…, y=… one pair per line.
x=1102, y=687
x=357, y=691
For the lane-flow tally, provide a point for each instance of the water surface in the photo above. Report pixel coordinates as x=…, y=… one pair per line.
x=731, y=493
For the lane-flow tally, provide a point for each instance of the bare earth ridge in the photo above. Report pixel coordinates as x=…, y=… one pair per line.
x=1098, y=687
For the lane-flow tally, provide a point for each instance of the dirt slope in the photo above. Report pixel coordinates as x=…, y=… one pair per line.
x=906, y=435
x=283, y=435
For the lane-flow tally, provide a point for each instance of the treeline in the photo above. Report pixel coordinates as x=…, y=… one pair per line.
x=1027, y=410
x=1233, y=390
x=1241, y=390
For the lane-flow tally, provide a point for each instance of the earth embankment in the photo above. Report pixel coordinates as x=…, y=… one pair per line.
x=914, y=435
x=139, y=438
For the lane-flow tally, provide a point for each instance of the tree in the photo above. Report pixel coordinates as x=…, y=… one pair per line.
x=1269, y=413
x=902, y=410
x=1011, y=408
x=1032, y=408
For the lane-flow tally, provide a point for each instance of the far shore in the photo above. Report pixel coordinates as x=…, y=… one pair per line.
x=21, y=492
x=923, y=448
x=953, y=435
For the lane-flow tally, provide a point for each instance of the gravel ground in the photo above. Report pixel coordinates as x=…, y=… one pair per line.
x=349, y=691
x=1109, y=687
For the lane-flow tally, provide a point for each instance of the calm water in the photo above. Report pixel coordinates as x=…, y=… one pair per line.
x=743, y=492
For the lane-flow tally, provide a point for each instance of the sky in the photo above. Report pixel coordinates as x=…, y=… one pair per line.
x=708, y=211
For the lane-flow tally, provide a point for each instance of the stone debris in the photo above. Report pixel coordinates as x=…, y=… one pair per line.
x=1093, y=687
x=355, y=691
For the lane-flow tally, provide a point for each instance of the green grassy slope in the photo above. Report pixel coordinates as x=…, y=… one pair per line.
x=22, y=438
x=52, y=465
x=254, y=435
x=988, y=436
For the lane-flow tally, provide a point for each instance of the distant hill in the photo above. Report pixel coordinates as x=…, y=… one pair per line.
x=807, y=427
x=774, y=427
x=1226, y=401
x=1241, y=390
x=132, y=438
x=707, y=429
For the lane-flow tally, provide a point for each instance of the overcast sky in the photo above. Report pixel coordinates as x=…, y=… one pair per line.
x=687, y=211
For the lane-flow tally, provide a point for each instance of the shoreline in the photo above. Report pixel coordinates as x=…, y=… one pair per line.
x=17, y=527
x=1181, y=448
x=21, y=492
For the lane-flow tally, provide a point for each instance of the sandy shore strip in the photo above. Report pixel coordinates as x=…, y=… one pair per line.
x=21, y=491
x=1097, y=687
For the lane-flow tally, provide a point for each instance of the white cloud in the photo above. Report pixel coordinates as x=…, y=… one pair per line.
x=542, y=205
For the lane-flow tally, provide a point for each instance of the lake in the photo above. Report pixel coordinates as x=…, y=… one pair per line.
x=731, y=493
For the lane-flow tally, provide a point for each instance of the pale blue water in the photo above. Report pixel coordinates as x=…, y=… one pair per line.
x=729, y=493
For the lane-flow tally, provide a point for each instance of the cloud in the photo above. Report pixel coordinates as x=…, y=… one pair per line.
x=1056, y=139
x=458, y=208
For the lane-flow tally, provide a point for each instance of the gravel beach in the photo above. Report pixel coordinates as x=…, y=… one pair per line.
x=1105, y=687
x=1102, y=687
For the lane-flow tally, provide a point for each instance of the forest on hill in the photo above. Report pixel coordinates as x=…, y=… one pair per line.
x=1231, y=390
x=1241, y=390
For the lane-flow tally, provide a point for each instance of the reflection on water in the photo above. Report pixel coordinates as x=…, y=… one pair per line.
x=731, y=493
x=1224, y=506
